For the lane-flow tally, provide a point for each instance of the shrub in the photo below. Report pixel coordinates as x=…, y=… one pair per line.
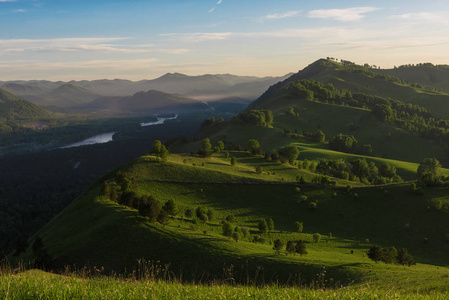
x=316, y=237
x=298, y=226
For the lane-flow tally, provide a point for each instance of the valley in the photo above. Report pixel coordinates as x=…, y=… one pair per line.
x=297, y=189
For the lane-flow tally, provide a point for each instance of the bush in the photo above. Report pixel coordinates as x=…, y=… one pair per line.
x=316, y=237
x=298, y=227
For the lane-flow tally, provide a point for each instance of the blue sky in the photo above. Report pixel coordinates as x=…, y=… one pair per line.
x=64, y=40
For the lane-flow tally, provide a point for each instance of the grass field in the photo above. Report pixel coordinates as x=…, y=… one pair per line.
x=39, y=285
x=98, y=233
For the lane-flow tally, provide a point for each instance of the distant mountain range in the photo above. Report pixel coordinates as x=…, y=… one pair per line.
x=204, y=87
x=152, y=101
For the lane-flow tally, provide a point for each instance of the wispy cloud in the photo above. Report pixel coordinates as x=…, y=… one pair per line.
x=19, y=10
x=423, y=16
x=198, y=36
x=288, y=14
x=347, y=14
x=219, y=2
x=211, y=10
x=7, y=1
x=102, y=45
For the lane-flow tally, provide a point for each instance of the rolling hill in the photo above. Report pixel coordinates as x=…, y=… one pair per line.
x=15, y=112
x=97, y=231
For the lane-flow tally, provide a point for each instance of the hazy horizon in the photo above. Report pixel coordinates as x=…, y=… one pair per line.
x=137, y=40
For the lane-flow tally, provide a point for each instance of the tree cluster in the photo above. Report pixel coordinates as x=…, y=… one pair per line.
x=358, y=170
x=390, y=255
x=261, y=117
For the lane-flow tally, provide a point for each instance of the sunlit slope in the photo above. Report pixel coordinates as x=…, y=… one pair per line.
x=357, y=81
x=97, y=232
x=386, y=140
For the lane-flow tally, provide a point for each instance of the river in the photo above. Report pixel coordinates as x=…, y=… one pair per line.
x=107, y=137
x=159, y=121
x=97, y=139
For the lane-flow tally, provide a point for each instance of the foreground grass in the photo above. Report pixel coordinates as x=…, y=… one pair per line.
x=36, y=284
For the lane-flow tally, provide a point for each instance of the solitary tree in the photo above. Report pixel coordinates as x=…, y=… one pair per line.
x=210, y=214
x=188, y=213
x=233, y=161
x=263, y=226
x=236, y=236
x=253, y=147
x=228, y=229
x=316, y=237
x=220, y=145
x=270, y=224
x=277, y=246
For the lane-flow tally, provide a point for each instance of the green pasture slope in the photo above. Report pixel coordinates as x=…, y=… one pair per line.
x=96, y=232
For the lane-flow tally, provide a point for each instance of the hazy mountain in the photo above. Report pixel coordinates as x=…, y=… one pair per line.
x=151, y=101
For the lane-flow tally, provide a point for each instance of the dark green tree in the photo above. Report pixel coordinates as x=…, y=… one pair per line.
x=277, y=245
x=404, y=258
x=375, y=253
x=316, y=237
x=263, y=226
x=210, y=214
x=188, y=213
x=228, y=229
x=233, y=161
x=163, y=217
x=270, y=224
x=289, y=154
x=253, y=147
x=170, y=207
x=291, y=247
x=150, y=207
x=301, y=248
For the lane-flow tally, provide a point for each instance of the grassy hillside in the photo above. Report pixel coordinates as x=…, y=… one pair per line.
x=15, y=111
x=387, y=140
x=426, y=74
x=358, y=79
x=95, y=231
x=37, y=284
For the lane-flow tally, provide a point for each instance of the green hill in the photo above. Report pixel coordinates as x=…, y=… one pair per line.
x=425, y=74
x=15, y=112
x=96, y=231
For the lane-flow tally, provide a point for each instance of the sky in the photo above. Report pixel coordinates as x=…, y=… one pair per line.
x=137, y=39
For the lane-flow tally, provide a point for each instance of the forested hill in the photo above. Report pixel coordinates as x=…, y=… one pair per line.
x=15, y=111
x=423, y=73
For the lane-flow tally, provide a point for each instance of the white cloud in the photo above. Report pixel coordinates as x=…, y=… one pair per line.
x=100, y=45
x=347, y=14
x=7, y=1
x=211, y=10
x=423, y=16
x=219, y=2
x=198, y=36
x=288, y=14
x=19, y=10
